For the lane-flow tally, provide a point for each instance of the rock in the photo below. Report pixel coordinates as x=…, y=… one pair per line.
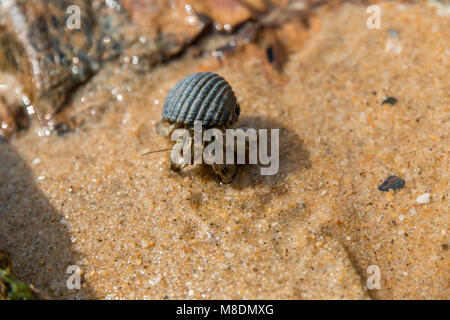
x=273, y=237
x=226, y=14
x=392, y=182
x=160, y=17
x=164, y=29
x=45, y=56
x=275, y=31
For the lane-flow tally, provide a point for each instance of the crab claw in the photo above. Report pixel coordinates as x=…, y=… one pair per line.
x=180, y=157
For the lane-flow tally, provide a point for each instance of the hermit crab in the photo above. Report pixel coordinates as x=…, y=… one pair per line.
x=204, y=99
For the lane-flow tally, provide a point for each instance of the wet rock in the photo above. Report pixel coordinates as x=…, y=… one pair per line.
x=164, y=29
x=44, y=49
x=7, y=123
x=275, y=31
x=48, y=58
x=423, y=198
x=160, y=17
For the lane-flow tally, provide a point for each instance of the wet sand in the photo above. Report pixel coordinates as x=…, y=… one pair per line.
x=139, y=231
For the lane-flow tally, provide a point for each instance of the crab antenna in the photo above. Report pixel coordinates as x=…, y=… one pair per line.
x=150, y=152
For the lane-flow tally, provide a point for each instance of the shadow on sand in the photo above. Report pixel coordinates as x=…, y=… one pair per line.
x=31, y=229
x=293, y=157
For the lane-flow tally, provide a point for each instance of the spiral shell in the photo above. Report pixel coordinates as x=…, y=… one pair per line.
x=203, y=96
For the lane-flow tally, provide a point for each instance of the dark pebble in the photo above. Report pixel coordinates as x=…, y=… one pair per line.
x=390, y=100
x=392, y=182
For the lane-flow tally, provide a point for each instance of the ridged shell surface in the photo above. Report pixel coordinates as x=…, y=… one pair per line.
x=203, y=96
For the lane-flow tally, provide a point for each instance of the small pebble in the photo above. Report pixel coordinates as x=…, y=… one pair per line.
x=392, y=182
x=393, y=32
x=423, y=198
